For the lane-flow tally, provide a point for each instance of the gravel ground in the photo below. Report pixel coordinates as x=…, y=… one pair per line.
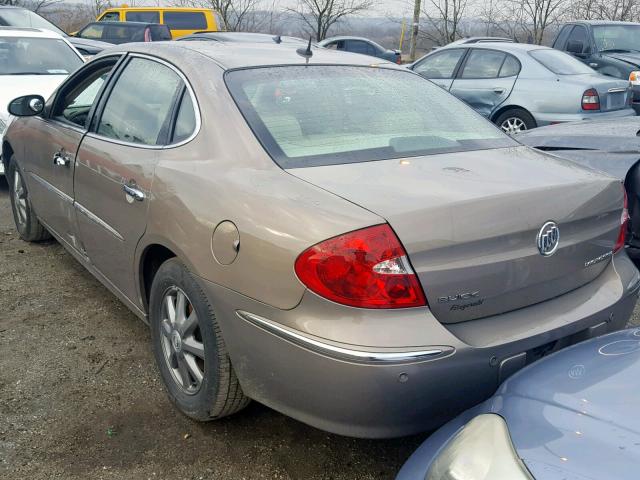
x=80, y=396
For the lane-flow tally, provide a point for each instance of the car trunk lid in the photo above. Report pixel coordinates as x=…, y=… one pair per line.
x=614, y=94
x=469, y=222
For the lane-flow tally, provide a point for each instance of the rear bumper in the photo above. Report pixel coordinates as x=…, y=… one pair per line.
x=393, y=390
x=543, y=119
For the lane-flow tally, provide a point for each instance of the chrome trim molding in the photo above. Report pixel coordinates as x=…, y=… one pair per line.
x=92, y=216
x=340, y=352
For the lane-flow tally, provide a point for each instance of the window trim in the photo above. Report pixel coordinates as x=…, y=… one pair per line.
x=69, y=83
x=497, y=77
x=461, y=61
x=173, y=112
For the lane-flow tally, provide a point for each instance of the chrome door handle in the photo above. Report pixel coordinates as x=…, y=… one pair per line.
x=498, y=90
x=61, y=160
x=133, y=192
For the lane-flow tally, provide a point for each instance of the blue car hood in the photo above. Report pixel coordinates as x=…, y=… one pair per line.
x=632, y=58
x=574, y=415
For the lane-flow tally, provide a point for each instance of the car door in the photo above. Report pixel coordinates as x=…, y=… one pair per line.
x=116, y=163
x=486, y=79
x=50, y=155
x=441, y=67
x=359, y=46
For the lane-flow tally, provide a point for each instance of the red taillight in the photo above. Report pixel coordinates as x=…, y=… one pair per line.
x=590, y=100
x=399, y=59
x=366, y=268
x=624, y=220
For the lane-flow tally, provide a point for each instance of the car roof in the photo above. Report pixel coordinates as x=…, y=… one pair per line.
x=346, y=37
x=502, y=46
x=231, y=55
x=190, y=9
x=27, y=32
x=602, y=22
x=125, y=24
x=246, y=37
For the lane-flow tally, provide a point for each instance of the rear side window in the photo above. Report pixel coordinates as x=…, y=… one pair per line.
x=324, y=115
x=143, y=16
x=483, y=64
x=186, y=120
x=440, y=65
x=139, y=106
x=559, y=62
x=510, y=67
x=160, y=33
x=185, y=20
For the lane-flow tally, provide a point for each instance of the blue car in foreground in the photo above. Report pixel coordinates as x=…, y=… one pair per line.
x=570, y=416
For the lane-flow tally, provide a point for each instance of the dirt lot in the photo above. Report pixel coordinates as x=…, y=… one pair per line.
x=80, y=397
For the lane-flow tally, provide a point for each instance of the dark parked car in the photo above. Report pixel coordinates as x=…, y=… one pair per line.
x=362, y=45
x=611, y=48
x=23, y=18
x=571, y=416
x=242, y=37
x=611, y=146
x=125, y=32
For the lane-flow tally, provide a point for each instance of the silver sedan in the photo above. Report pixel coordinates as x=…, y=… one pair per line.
x=521, y=86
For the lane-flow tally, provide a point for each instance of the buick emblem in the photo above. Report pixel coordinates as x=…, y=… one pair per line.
x=548, y=239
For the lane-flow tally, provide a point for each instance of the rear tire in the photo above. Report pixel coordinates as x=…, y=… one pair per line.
x=189, y=349
x=515, y=120
x=27, y=224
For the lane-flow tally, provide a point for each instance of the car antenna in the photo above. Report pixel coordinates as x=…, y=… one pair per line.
x=277, y=39
x=306, y=52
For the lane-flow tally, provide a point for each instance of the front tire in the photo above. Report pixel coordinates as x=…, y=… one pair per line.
x=189, y=349
x=29, y=227
x=515, y=120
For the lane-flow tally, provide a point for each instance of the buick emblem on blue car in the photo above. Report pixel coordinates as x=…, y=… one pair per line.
x=548, y=239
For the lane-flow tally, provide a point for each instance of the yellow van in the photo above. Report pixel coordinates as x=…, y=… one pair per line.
x=181, y=21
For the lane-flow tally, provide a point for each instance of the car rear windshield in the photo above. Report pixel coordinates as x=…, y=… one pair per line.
x=559, y=62
x=17, y=17
x=323, y=115
x=36, y=56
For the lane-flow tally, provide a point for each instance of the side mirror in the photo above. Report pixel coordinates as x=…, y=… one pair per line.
x=27, y=106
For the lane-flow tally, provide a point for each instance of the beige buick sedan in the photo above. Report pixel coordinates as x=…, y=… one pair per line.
x=344, y=242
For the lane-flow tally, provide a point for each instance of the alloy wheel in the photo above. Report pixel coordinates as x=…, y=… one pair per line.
x=20, y=198
x=181, y=339
x=513, y=125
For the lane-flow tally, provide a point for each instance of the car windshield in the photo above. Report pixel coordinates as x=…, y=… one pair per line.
x=617, y=37
x=17, y=17
x=36, y=56
x=324, y=115
x=559, y=62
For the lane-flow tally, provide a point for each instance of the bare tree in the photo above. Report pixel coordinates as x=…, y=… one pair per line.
x=234, y=13
x=443, y=20
x=624, y=10
x=34, y=5
x=538, y=15
x=320, y=15
x=502, y=18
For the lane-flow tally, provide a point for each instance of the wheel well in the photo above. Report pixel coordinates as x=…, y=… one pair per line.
x=501, y=110
x=7, y=151
x=153, y=256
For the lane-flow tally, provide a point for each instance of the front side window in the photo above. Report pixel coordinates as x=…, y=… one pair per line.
x=559, y=62
x=185, y=20
x=139, y=106
x=561, y=40
x=578, y=36
x=483, y=64
x=94, y=31
x=323, y=115
x=75, y=101
x=143, y=16
x=440, y=65
x=358, y=46
x=111, y=17
x=617, y=37
x=37, y=56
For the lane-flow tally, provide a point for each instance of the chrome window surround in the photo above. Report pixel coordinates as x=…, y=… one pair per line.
x=194, y=100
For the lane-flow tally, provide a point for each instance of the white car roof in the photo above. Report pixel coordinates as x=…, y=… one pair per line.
x=28, y=32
